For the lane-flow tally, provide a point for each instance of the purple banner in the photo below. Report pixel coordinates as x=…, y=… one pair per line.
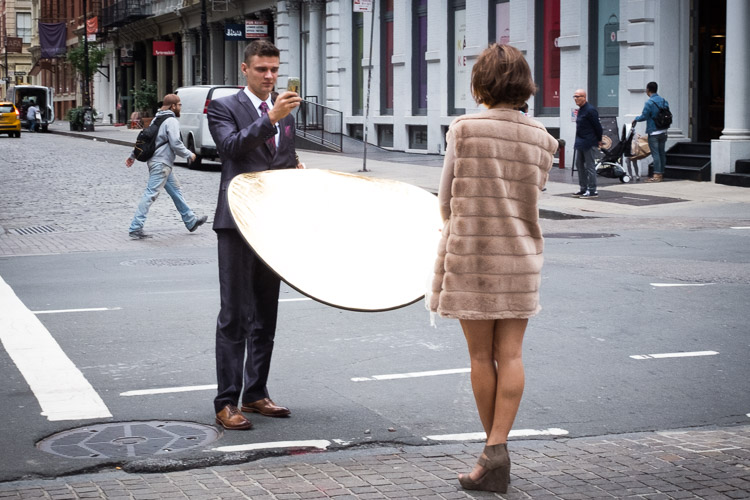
x=52, y=39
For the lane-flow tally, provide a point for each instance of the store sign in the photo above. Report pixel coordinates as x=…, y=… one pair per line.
x=256, y=29
x=234, y=32
x=362, y=6
x=14, y=44
x=163, y=48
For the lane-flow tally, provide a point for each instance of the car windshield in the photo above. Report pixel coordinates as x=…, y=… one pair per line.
x=5, y=108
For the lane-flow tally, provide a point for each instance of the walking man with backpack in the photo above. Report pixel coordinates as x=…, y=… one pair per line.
x=658, y=119
x=158, y=145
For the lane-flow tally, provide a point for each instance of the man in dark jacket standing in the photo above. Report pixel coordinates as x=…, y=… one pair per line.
x=588, y=139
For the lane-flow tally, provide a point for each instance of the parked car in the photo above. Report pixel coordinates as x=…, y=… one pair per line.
x=10, y=120
x=194, y=121
x=24, y=95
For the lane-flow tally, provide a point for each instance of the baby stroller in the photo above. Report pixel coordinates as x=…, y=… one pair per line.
x=610, y=165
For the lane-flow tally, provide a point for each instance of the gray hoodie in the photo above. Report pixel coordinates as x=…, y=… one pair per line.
x=169, y=138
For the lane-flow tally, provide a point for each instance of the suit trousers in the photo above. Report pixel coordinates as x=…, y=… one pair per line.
x=246, y=325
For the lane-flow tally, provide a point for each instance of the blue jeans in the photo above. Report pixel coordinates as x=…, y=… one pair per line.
x=586, y=166
x=160, y=176
x=32, y=125
x=658, y=153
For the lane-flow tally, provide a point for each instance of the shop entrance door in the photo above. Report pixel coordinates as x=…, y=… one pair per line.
x=709, y=54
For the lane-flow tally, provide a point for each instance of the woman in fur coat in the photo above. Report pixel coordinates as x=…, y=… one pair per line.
x=487, y=272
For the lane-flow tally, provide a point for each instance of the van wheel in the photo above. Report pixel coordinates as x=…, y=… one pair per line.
x=198, y=160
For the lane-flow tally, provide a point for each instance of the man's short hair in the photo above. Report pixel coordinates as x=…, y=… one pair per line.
x=170, y=99
x=262, y=48
x=501, y=75
x=652, y=87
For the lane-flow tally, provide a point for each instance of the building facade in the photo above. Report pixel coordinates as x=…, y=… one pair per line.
x=403, y=68
x=15, y=40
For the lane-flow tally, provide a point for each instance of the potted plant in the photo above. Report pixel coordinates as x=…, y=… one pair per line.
x=75, y=118
x=145, y=100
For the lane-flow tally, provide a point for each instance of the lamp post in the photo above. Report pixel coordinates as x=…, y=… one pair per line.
x=88, y=121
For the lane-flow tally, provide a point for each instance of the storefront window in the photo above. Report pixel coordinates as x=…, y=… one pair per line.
x=419, y=64
x=459, y=78
x=386, y=74
x=548, y=59
x=605, y=50
x=357, y=72
x=499, y=19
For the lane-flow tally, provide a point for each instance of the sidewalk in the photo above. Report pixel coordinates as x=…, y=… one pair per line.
x=669, y=198
x=711, y=463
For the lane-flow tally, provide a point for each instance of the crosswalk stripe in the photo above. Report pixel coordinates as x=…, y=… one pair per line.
x=59, y=386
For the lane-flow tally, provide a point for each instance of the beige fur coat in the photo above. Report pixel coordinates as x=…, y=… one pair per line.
x=490, y=254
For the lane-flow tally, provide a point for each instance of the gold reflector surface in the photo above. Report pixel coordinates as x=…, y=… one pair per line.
x=346, y=240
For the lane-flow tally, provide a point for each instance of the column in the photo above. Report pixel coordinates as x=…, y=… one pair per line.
x=288, y=39
x=315, y=46
x=188, y=50
x=231, y=68
x=176, y=63
x=161, y=76
x=734, y=143
x=149, y=60
x=333, y=55
x=216, y=49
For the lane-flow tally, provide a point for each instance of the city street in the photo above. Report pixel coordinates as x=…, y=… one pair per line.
x=644, y=326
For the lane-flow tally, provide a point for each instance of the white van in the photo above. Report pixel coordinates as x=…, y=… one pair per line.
x=25, y=95
x=194, y=122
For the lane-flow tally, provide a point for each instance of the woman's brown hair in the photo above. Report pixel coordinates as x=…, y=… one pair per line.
x=501, y=75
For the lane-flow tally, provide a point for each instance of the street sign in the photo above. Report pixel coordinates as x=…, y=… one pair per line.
x=7, y=78
x=20, y=73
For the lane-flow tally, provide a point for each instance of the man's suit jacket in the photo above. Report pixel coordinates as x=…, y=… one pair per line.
x=240, y=134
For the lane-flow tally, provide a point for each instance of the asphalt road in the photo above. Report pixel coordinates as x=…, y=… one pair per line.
x=600, y=358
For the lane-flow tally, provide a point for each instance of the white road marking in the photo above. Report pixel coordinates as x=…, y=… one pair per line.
x=480, y=436
x=740, y=227
x=674, y=355
x=59, y=386
x=168, y=390
x=393, y=376
x=320, y=444
x=89, y=309
x=295, y=300
x=679, y=284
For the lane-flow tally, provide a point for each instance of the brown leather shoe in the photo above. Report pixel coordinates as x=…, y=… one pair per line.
x=267, y=408
x=230, y=418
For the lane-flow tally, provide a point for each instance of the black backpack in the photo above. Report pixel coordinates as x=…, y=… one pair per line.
x=663, y=118
x=145, y=143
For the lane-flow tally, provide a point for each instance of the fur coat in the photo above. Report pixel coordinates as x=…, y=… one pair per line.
x=490, y=253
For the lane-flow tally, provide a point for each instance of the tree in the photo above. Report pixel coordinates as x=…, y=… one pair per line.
x=77, y=58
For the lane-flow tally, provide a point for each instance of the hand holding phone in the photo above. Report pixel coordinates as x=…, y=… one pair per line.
x=293, y=84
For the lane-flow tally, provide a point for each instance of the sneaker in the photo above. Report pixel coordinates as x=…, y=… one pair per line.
x=589, y=194
x=198, y=223
x=579, y=193
x=138, y=234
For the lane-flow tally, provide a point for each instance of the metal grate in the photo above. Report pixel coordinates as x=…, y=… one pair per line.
x=34, y=230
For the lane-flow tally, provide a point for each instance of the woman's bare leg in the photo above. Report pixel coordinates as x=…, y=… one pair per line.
x=479, y=338
x=508, y=351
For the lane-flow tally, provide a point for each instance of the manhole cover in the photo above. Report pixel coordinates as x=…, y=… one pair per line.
x=166, y=262
x=129, y=439
x=579, y=236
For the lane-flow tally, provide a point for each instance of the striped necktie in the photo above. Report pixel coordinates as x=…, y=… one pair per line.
x=271, y=141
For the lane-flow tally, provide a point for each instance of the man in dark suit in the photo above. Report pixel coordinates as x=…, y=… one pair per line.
x=253, y=132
